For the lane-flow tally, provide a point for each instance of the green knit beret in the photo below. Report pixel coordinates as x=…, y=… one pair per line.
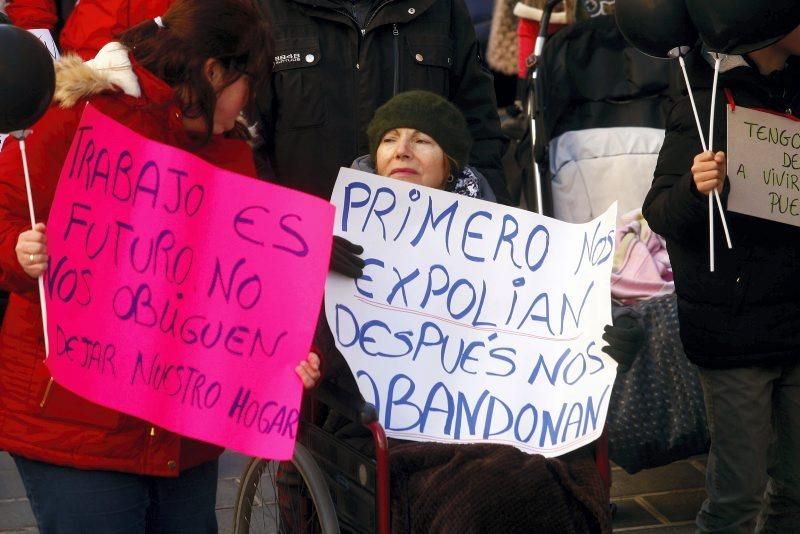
x=430, y=114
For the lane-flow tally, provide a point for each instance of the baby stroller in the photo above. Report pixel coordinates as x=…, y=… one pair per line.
x=597, y=110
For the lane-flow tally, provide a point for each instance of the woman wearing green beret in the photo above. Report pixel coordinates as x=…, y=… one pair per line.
x=421, y=138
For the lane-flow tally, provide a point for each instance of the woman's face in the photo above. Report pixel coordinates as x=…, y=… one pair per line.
x=411, y=156
x=231, y=100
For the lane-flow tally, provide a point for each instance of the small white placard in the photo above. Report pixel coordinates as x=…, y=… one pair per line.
x=764, y=165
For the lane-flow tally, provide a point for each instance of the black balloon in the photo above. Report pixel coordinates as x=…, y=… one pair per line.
x=656, y=27
x=741, y=26
x=27, y=79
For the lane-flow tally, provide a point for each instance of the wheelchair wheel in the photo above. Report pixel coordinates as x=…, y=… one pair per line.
x=284, y=497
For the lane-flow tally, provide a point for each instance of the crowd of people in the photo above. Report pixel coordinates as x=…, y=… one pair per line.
x=396, y=88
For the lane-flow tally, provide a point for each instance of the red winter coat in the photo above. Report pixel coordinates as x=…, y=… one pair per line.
x=93, y=23
x=55, y=425
x=33, y=14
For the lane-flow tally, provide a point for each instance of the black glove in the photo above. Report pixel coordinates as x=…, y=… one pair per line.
x=625, y=339
x=344, y=258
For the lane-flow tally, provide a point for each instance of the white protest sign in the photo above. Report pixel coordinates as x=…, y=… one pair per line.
x=47, y=40
x=763, y=165
x=473, y=322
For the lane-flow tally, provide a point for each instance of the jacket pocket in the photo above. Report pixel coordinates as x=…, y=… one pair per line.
x=298, y=83
x=429, y=59
x=52, y=401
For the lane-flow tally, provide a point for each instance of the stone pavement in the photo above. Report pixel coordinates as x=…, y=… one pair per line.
x=659, y=501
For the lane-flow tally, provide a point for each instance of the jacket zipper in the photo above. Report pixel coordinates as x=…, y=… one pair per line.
x=377, y=10
x=396, y=34
x=363, y=32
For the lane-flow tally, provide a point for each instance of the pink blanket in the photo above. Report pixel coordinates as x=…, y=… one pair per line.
x=641, y=265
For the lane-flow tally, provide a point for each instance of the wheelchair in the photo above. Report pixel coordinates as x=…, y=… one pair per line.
x=329, y=486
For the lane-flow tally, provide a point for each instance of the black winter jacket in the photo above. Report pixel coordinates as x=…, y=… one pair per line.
x=747, y=312
x=330, y=75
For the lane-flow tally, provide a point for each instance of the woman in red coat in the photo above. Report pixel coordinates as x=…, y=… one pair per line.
x=183, y=81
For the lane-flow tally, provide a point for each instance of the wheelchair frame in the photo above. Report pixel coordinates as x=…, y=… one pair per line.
x=328, y=469
x=339, y=478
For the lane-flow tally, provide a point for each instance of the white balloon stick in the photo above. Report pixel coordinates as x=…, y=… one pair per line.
x=711, y=146
x=715, y=194
x=40, y=280
x=694, y=106
x=705, y=149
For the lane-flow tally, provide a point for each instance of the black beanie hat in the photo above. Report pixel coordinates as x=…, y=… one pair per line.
x=430, y=114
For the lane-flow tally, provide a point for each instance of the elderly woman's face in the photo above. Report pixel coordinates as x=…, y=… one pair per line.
x=411, y=156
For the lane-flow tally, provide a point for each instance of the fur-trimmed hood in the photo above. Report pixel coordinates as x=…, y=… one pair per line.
x=110, y=70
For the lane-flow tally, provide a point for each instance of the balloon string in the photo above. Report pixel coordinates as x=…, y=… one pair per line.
x=33, y=223
x=711, y=147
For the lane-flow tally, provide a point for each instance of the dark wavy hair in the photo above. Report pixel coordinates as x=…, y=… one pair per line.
x=234, y=32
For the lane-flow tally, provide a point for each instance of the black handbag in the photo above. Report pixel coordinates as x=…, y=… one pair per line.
x=656, y=414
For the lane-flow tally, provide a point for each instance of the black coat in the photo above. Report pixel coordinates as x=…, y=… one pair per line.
x=330, y=76
x=747, y=312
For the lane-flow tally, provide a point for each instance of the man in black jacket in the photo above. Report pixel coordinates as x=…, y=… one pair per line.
x=741, y=323
x=337, y=61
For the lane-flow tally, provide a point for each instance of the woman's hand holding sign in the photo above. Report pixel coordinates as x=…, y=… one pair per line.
x=345, y=258
x=31, y=251
x=625, y=340
x=308, y=371
x=708, y=171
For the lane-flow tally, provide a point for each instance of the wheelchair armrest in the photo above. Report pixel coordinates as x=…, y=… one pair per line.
x=350, y=405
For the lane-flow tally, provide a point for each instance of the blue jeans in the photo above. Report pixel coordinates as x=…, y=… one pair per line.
x=65, y=500
x=753, y=469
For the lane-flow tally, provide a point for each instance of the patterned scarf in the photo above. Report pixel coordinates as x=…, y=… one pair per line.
x=466, y=184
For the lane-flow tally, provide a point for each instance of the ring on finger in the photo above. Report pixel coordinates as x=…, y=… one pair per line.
x=31, y=257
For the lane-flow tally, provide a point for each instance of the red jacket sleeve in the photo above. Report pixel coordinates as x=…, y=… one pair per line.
x=14, y=219
x=46, y=149
x=33, y=14
x=93, y=23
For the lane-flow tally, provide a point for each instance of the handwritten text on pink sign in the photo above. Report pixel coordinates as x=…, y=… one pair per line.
x=181, y=293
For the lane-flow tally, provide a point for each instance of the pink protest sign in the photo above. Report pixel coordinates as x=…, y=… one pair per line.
x=181, y=293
